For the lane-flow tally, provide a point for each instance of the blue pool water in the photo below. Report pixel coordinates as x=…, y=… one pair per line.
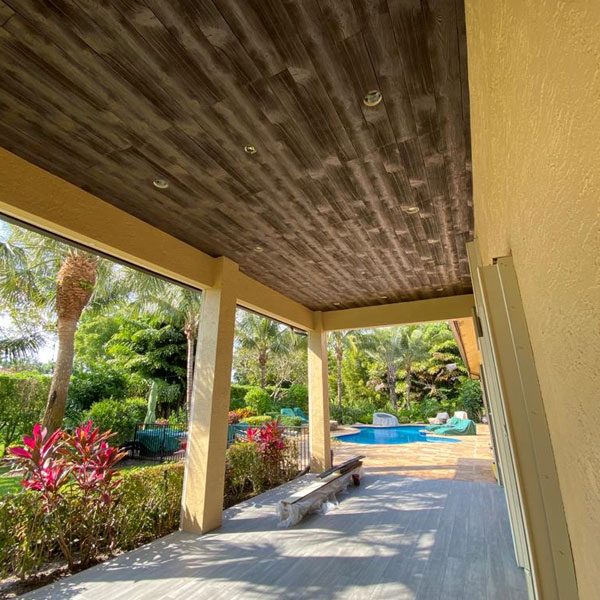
x=405, y=434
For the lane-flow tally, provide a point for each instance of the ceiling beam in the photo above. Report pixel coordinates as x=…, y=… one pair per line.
x=401, y=313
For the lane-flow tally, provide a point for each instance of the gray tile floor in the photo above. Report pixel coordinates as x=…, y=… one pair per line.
x=394, y=537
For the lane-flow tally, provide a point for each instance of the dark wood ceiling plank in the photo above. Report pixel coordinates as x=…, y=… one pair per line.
x=111, y=96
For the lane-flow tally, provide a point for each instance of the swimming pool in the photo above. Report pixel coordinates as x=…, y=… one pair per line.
x=404, y=434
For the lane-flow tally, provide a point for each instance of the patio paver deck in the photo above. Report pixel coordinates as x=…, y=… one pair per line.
x=468, y=460
x=393, y=537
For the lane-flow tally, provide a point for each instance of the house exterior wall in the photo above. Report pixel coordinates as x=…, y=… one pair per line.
x=534, y=72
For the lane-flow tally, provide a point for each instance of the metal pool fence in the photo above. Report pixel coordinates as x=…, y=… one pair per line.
x=163, y=443
x=296, y=439
x=155, y=441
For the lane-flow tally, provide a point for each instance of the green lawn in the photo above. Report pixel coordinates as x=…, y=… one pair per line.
x=8, y=484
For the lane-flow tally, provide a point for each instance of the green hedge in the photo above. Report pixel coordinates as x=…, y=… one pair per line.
x=120, y=416
x=23, y=398
x=257, y=421
x=292, y=397
x=147, y=506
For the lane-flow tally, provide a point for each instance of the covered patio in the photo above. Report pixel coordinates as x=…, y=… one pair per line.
x=394, y=537
x=311, y=162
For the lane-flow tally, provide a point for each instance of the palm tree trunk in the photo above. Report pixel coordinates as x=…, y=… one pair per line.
x=189, y=377
x=263, y=371
x=408, y=386
x=57, y=398
x=339, y=357
x=75, y=281
x=392, y=386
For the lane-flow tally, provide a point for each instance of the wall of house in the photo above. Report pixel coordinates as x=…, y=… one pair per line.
x=534, y=71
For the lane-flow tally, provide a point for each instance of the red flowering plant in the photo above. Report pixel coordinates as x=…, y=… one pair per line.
x=269, y=439
x=74, y=477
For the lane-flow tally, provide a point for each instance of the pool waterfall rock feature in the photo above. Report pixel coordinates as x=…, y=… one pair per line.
x=382, y=419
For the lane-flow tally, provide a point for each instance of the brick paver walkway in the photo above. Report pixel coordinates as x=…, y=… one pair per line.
x=469, y=460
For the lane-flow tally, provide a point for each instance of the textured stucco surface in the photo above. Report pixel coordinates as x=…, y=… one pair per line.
x=534, y=71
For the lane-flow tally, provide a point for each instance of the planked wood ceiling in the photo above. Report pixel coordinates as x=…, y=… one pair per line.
x=111, y=96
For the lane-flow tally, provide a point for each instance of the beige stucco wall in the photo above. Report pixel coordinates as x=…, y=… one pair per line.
x=534, y=71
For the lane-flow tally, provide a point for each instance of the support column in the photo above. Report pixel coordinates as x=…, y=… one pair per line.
x=318, y=397
x=204, y=479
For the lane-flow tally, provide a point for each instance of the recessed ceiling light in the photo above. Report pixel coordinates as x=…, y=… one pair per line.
x=372, y=98
x=250, y=149
x=258, y=248
x=411, y=210
x=161, y=184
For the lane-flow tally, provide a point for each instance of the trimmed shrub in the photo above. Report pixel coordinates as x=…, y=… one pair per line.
x=287, y=421
x=147, y=504
x=245, y=468
x=257, y=400
x=120, y=416
x=23, y=398
x=257, y=421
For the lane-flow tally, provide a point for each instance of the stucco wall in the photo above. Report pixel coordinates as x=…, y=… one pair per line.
x=534, y=71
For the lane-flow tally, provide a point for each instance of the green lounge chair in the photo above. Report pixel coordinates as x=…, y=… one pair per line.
x=453, y=422
x=300, y=413
x=465, y=427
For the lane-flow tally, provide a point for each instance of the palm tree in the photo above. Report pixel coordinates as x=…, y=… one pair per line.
x=398, y=348
x=15, y=347
x=413, y=348
x=339, y=341
x=38, y=273
x=264, y=337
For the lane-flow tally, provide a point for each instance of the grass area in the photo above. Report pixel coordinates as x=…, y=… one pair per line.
x=8, y=485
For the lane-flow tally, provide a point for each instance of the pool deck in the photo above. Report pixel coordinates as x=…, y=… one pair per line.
x=469, y=460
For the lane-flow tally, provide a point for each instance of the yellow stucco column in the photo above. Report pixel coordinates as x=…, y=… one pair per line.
x=318, y=397
x=204, y=479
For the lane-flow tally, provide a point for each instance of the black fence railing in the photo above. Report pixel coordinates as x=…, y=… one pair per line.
x=161, y=442
x=295, y=438
x=155, y=441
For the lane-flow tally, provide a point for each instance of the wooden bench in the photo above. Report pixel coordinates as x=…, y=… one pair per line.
x=324, y=485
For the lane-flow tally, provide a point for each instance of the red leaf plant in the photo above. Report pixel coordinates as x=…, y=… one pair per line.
x=270, y=444
x=74, y=477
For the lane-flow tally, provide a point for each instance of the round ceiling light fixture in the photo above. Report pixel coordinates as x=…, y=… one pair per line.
x=372, y=98
x=412, y=210
x=161, y=184
x=250, y=149
x=258, y=249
